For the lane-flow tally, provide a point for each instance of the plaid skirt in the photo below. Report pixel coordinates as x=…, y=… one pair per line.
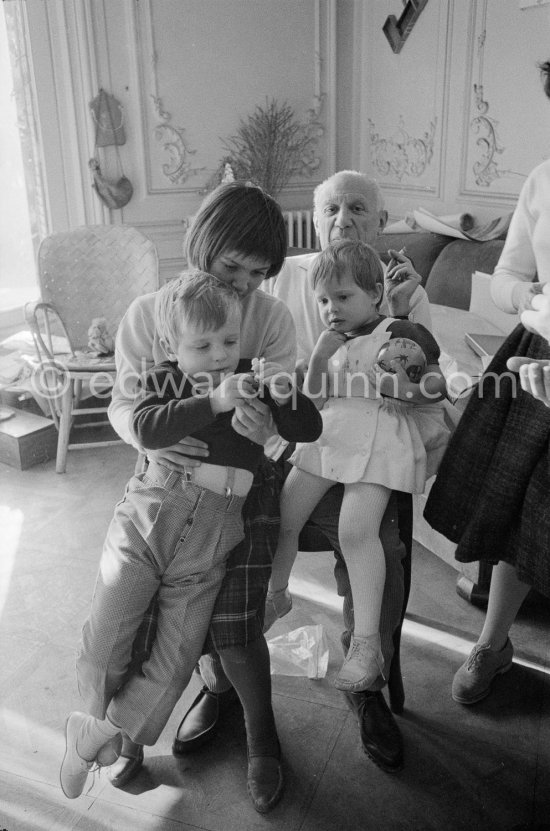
x=492, y=491
x=238, y=615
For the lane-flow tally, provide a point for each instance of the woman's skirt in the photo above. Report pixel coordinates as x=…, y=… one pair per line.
x=492, y=492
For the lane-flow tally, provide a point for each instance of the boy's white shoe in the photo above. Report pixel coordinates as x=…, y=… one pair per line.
x=74, y=769
x=364, y=663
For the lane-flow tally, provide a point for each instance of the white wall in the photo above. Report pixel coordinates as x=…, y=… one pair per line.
x=425, y=134
x=186, y=70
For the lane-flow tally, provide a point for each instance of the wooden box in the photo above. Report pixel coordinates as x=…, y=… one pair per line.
x=26, y=439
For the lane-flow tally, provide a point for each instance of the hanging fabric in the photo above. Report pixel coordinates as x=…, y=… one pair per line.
x=108, y=116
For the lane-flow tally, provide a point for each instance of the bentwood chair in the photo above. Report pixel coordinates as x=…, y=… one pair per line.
x=92, y=271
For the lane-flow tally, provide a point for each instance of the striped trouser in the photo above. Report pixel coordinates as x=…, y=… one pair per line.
x=166, y=535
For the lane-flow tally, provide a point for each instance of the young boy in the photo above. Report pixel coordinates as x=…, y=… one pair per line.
x=173, y=532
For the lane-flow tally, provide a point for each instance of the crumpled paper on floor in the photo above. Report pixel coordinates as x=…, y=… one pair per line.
x=303, y=651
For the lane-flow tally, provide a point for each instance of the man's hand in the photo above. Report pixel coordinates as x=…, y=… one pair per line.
x=537, y=317
x=400, y=283
x=253, y=419
x=534, y=377
x=189, y=452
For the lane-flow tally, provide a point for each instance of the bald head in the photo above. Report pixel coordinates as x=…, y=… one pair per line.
x=348, y=205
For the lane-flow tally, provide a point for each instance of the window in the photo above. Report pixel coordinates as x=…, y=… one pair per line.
x=22, y=222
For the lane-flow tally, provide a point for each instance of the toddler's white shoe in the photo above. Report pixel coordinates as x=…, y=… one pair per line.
x=364, y=663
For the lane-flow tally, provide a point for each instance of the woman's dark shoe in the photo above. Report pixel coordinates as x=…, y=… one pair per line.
x=265, y=782
x=126, y=767
x=199, y=723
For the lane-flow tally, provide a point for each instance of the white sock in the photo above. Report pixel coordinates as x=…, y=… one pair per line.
x=93, y=735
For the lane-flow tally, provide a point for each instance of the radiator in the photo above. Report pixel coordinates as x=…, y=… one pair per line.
x=300, y=230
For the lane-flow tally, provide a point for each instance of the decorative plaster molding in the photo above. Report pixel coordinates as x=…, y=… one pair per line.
x=314, y=129
x=318, y=121
x=178, y=169
x=486, y=168
x=401, y=154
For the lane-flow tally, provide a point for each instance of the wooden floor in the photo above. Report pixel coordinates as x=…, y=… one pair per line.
x=484, y=767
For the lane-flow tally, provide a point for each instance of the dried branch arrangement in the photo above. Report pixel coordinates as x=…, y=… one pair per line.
x=269, y=147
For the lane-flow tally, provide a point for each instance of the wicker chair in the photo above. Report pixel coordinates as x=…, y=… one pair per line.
x=85, y=273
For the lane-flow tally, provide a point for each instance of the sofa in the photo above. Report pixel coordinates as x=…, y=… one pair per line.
x=445, y=263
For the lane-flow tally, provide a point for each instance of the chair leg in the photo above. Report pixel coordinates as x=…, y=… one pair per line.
x=65, y=422
x=395, y=681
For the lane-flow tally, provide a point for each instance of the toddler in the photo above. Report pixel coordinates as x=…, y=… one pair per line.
x=173, y=532
x=381, y=432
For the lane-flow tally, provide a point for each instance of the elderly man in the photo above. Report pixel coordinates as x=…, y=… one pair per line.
x=349, y=205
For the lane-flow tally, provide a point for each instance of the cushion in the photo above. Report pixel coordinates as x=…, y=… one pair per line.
x=450, y=280
x=422, y=247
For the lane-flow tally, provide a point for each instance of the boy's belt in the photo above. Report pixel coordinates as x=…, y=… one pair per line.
x=227, y=481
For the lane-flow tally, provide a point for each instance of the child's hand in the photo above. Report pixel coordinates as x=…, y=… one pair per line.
x=300, y=372
x=273, y=376
x=329, y=342
x=233, y=390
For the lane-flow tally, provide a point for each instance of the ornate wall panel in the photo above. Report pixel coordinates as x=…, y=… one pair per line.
x=405, y=100
x=506, y=127
x=189, y=70
x=205, y=63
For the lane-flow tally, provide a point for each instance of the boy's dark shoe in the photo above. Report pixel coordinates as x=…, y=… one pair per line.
x=199, y=723
x=126, y=767
x=380, y=736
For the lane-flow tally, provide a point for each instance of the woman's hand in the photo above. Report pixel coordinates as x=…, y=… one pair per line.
x=523, y=294
x=534, y=377
x=253, y=419
x=189, y=452
x=400, y=283
x=537, y=317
